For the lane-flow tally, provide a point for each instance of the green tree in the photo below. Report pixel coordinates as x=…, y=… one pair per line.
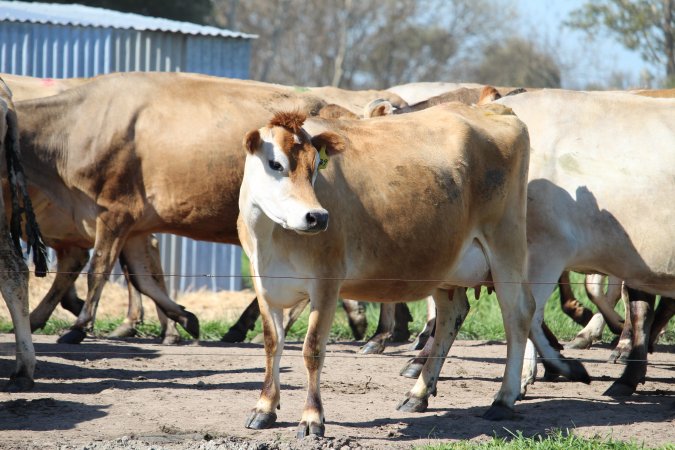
x=517, y=62
x=647, y=26
x=196, y=11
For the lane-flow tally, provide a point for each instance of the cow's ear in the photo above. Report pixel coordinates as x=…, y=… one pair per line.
x=332, y=142
x=252, y=141
x=378, y=108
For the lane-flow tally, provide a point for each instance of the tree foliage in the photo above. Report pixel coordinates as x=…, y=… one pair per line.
x=517, y=62
x=364, y=43
x=647, y=26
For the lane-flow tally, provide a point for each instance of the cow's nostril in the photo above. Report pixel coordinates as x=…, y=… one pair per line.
x=317, y=220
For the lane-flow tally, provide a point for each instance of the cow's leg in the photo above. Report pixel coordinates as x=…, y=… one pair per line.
x=264, y=415
x=324, y=297
x=385, y=328
x=14, y=289
x=356, y=315
x=424, y=335
x=109, y=241
x=150, y=281
x=606, y=300
x=569, y=304
x=245, y=323
x=69, y=263
x=529, y=369
x=542, y=268
x=642, y=317
x=664, y=312
x=71, y=302
x=413, y=367
x=168, y=328
x=134, y=311
x=517, y=307
x=452, y=307
x=625, y=343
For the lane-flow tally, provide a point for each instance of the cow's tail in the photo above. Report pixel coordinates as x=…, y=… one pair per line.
x=19, y=193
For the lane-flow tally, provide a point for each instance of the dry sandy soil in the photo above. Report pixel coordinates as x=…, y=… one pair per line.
x=106, y=394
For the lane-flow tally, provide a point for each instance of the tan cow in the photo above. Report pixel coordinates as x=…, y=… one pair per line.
x=432, y=200
x=71, y=246
x=14, y=283
x=162, y=156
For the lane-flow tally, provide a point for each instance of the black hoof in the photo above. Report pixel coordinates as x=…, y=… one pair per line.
x=499, y=411
x=234, y=335
x=260, y=420
x=123, y=331
x=619, y=356
x=413, y=404
x=190, y=323
x=19, y=384
x=372, y=348
x=579, y=343
x=411, y=370
x=34, y=327
x=619, y=389
x=419, y=342
x=73, y=336
x=305, y=429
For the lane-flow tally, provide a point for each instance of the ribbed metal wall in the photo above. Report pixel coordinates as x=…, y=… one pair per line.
x=60, y=51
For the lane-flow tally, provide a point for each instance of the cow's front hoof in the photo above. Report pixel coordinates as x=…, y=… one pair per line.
x=18, y=383
x=411, y=370
x=499, y=411
x=260, y=420
x=190, y=323
x=571, y=369
x=73, y=336
x=413, y=404
x=372, y=348
x=125, y=330
x=306, y=429
x=619, y=389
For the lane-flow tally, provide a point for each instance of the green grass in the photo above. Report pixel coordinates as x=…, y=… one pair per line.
x=556, y=440
x=483, y=322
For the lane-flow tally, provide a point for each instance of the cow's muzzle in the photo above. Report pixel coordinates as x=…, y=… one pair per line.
x=317, y=221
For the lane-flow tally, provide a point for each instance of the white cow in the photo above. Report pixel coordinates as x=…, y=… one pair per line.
x=600, y=196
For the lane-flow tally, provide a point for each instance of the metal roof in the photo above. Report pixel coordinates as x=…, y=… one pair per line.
x=87, y=16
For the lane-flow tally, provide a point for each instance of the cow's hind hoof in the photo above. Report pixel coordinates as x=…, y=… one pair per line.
x=190, y=323
x=171, y=339
x=411, y=370
x=579, y=343
x=413, y=404
x=573, y=370
x=73, y=336
x=619, y=389
x=306, y=429
x=123, y=331
x=372, y=348
x=234, y=335
x=619, y=355
x=499, y=411
x=259, y=420
x=19, y=384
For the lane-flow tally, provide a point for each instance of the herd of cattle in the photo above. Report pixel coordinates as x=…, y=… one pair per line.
x=422, y=190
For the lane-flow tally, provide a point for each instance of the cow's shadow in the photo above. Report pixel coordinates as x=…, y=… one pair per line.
x=533, y=418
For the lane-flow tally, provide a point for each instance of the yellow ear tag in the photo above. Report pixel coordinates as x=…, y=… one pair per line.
x=323, y=158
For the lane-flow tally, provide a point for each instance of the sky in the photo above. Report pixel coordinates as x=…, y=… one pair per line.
x=584, y=62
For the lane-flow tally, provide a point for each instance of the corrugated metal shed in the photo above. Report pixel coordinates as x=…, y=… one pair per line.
x=61, y=41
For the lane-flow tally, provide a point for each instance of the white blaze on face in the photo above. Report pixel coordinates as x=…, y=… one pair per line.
x=274, y=191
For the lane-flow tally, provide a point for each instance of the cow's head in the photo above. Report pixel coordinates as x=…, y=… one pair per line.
x=282, y=164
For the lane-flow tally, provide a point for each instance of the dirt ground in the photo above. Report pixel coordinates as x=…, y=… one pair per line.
x=106, y=394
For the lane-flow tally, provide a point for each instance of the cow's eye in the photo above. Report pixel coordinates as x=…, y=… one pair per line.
x=277, y=167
